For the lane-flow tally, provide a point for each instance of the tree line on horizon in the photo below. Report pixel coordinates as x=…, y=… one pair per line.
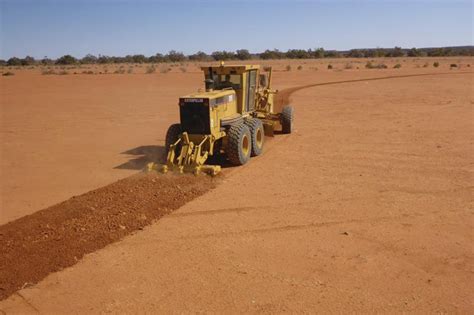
x=244, y=54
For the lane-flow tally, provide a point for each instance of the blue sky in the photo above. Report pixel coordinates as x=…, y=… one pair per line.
x=53, y=28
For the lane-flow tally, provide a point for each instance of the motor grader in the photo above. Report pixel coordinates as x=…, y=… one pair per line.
x=231, y=117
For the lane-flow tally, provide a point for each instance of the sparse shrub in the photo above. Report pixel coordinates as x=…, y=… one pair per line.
x=165, y=69
x=48, y=71
x=150, y=69
x=436, y=64
x=130, y=70
x=183, y=69
x=288, y=68
x=300, y=67
x=453, y=65
x=8, y=73
x=468, y=65
x=370, y=65
x=348, y=66
x=63, y=72
x=88, y=72
x=119, y=71
x=397, y=66
x=330, y=66
x=426, y=65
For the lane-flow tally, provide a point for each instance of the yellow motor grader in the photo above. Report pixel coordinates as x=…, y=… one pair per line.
x=230, y=117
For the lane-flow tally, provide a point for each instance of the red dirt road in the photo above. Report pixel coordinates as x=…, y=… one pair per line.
x=366, y=207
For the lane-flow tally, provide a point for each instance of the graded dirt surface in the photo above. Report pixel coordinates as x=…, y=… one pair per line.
x=366, y=207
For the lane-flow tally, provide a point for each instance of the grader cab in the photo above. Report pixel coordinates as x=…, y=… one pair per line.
x=230, y=117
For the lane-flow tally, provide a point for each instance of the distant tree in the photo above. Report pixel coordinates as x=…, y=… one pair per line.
x=66, y=60
x=199, y=56
x=139, y=59
x=175, y=56
x=46, y=61
x=223, y=55
x=272, y=54
x=396, y=52
x=104, y=59
x=28, y=61
x=331, y=54
x=3, y=62
x=413, y=52
x=319, y=53
x=14, y=61
x=243, y=54
x=156, y=58
x=298, y=54
x=89, y=59
x=356, y=53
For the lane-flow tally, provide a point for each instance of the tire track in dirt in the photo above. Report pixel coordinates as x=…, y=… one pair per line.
x=284, y=95
x=59, y=236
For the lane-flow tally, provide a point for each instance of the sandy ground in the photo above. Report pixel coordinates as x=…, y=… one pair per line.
x=367, y=206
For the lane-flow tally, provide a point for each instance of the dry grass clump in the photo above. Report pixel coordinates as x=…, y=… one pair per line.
x=183, y=69
x=47, y=71
x=150, y=69
x=300, y=67
x=88, y=72
x=348, y=66
x=130, y=70
x=165, y=69
x=436, y=64
x=370, y=65
x=63, y=72
x=8, y=73
x=397, y=66
x=330, y=66
x=288, y=67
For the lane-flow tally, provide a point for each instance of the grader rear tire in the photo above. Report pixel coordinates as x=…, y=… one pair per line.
x=239, y=144
x=287, y=117
x=172, y=135
x=257, y=134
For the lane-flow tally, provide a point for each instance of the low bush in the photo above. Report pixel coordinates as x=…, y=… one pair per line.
x=348, y=66
x=330, y=66
x=300, y=67
x=436, y=64
x=397, y=66
x=150, y=69
x=47, y=71
x=288, y=68
x=453, y=65
x=183, y=69
x=8, y=73
x=370, y=65
x=165, y=69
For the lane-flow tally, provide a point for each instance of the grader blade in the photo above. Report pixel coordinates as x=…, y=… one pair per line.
x=191, y=158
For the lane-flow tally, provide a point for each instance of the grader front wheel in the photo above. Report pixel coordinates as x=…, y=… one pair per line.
x=172, y=135
x=239, y=145
x=287, y=116
x=257, y=134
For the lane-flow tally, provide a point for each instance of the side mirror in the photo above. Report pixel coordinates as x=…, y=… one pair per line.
x=263, y=80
